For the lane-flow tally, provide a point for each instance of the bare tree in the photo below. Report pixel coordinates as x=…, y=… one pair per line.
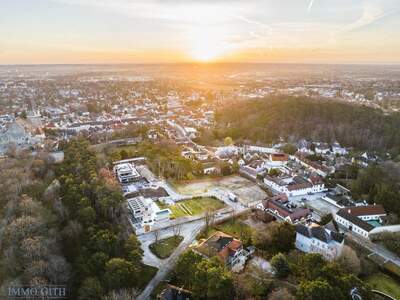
x=349, y=260
x=233, y=215
x=122, y=294
x=209, y=218
x=156, y=234
x=176, y=229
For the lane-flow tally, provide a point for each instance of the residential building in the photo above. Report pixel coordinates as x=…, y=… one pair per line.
x=319, y=239
x=146, y=212
x=295, y=185
x=361, y=219
x=229, y=250
x=280, y=207
x=126, y=172
x=278, y=159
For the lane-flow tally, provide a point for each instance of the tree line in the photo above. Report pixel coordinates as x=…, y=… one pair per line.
x=293, y=118
x=96, y=236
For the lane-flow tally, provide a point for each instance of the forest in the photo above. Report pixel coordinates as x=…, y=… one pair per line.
x=67, y=225
x=292, y=118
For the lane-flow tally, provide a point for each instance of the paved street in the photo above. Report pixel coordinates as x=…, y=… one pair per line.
x=373, y=247
x=189, y=232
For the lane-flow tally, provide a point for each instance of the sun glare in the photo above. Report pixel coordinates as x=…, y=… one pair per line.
x=207, y=45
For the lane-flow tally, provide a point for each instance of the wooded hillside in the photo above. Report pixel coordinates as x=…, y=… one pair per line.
x=268, y=119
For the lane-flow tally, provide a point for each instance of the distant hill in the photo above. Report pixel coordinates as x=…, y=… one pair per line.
x=268, y=119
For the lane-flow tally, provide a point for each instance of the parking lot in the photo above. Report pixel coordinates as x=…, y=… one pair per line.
x=315, y=201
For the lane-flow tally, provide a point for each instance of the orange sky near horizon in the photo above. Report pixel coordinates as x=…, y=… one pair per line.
x=155, y=31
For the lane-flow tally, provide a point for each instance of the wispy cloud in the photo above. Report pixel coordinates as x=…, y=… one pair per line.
x=370, y=14
x=310, y=5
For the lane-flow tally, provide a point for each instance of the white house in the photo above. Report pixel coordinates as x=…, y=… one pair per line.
x=361, y=219
x=339, y=150
x=225, y=152
x=146, y=212
x=294, y=186
x=322, y=148
x=126, y=172
x=319, y=239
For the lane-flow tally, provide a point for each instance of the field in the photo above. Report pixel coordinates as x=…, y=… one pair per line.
x=384, y=283
x=165, y=247
x=193, y=206
x=246, y=190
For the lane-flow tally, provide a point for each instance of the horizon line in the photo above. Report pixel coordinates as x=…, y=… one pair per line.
x=204, y=63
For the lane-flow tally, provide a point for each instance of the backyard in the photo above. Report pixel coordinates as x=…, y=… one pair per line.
x=193, y=206
x=164, y=248
x=235, y=227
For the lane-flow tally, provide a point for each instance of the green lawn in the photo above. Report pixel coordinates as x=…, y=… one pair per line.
x=165, y=247
x=384, y=283
x=193, y=206
x=235, y=228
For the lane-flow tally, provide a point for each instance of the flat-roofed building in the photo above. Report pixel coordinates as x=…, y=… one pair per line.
x=126, y=172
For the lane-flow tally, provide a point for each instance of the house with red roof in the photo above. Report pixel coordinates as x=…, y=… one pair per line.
x=226, y=248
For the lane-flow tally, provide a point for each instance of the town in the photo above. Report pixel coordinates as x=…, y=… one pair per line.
x=253, y=210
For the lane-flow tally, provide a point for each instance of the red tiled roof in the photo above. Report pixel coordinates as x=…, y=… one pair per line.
x=279, y=157
x=365, y=210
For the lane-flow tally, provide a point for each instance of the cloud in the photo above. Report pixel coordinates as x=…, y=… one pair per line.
x=370, y=14
x=310, y=5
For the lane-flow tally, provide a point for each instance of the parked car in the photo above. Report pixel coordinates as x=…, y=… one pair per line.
x=232, y=197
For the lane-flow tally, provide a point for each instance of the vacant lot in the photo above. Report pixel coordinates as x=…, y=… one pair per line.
x=385, y=283
x=164, y=248
x=193, y=206
x=246, y=190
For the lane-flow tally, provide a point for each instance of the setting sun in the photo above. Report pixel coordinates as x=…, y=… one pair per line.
x=206, y=44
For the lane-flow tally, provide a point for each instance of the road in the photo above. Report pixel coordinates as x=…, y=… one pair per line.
x=373, y=247
x=189, y=231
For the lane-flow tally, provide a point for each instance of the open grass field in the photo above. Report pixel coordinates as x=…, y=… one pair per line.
x=164, y=248
x=193, y=206
x=384, y=283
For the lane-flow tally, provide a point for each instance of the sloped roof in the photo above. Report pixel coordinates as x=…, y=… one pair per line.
x=366, y=210
x=355, y=220
x=221, y=245
x=319, y=232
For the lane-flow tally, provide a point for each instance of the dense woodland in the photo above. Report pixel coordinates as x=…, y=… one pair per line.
x=67, y=225
x=97, y=239
x=293, y=118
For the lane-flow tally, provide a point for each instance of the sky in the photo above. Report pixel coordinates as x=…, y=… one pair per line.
x=173, y=31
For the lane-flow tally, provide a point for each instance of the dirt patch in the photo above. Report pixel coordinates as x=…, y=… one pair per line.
x=246, y=190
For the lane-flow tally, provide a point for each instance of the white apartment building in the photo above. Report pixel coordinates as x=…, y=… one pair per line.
x=126, y=172
x=318, y=239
